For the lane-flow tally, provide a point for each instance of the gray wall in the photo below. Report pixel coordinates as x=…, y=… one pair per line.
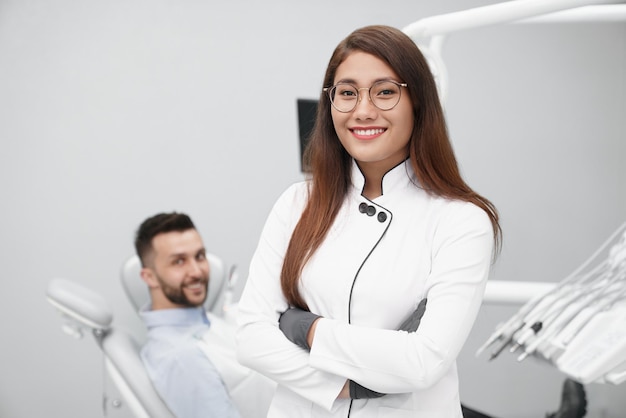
x=111, y=111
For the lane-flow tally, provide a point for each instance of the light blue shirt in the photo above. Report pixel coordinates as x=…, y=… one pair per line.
x=181, y=373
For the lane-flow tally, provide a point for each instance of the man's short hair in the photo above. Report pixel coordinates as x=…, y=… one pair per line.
x=158, y=224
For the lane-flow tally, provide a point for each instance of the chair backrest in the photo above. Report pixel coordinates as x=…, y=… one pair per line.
x=138, y=294
x=124, y=365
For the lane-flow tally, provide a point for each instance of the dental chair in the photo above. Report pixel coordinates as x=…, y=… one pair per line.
x=84, y=310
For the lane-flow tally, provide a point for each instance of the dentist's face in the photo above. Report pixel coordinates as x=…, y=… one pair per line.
x=180, y=268
x=375, y=138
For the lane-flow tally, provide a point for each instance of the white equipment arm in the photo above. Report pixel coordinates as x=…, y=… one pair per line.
x=430, y=33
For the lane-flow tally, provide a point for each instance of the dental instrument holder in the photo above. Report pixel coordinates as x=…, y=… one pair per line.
x=579, y=325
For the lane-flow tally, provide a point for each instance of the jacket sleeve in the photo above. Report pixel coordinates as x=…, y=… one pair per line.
x=261, y=345
x=390, y=361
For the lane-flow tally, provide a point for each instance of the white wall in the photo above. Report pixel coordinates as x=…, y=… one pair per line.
x=537, y=116
x=111, y=111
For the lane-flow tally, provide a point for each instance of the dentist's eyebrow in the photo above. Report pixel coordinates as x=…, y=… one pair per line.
x=354, y=82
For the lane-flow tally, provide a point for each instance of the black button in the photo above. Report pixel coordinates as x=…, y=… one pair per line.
x=382, y=217
x=363, y=207
x=371, y=210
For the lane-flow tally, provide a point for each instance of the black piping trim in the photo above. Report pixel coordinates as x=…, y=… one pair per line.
x=363, y=263
x=357, y=275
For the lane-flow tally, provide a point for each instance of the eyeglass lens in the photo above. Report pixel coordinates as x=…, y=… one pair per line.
x=383, y=94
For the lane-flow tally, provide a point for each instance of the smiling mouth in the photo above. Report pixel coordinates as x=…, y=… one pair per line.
x=368, y=132
x=194, y=286
x=198, y=284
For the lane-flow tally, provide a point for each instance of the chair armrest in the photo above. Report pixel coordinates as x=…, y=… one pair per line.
x=80, y=304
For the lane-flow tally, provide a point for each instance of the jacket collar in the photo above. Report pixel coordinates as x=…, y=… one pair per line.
x=398, y=177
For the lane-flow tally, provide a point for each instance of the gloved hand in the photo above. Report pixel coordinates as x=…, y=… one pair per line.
x=413, y=321
x=295, y=324
x=360, y=392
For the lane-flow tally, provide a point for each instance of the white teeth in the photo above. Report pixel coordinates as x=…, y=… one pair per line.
x=368, y=131
x=196, y=285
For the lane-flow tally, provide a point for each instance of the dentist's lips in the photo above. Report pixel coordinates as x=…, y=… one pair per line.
x=367, y=133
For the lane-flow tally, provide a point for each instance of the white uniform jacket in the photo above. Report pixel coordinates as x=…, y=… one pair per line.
x=377, y=262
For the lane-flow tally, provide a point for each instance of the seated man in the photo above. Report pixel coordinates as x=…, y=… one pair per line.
x=186, y=352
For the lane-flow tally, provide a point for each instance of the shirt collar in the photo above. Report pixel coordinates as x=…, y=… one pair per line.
x=179, y=317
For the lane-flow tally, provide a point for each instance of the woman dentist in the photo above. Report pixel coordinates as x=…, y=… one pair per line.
x=369, y=275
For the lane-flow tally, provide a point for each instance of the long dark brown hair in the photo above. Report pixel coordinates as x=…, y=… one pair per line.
x=329, y=164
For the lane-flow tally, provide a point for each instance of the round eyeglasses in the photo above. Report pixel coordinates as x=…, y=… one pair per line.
x=384, y=94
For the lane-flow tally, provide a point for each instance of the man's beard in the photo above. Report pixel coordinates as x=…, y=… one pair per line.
x=177, y=295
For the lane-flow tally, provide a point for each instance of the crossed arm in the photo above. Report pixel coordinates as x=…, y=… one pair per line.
x=299, y=327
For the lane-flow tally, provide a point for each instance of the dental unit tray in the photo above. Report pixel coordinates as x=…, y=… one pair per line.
x=579, y=325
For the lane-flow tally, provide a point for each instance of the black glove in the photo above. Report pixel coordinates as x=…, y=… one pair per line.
x=359, y=392
x=295, y=324
x=413, y=321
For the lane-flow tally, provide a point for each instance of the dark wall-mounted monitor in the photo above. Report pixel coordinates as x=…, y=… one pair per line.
x=306, y=119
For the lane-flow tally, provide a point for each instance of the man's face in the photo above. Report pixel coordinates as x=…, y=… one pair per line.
x=180, y=268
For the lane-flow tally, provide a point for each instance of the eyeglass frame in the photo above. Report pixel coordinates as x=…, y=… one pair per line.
x=359, y=97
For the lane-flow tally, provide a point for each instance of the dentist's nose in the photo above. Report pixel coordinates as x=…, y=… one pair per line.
x=364, y=108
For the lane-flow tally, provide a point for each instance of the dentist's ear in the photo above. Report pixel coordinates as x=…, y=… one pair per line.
x=148, y=276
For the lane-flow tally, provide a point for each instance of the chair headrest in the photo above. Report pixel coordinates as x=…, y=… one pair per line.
x=139, y=295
